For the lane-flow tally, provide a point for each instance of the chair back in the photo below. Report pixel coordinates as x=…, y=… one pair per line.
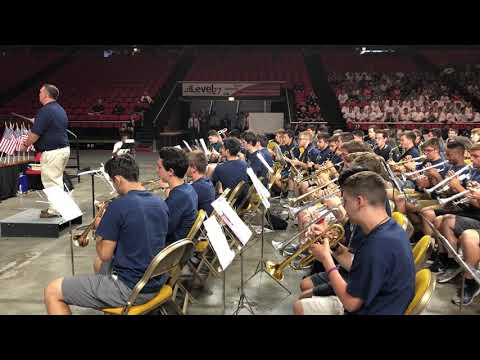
x=233, y=196
x=400, y=219
x=169, y=259
x=196, y=225
x=420, y=249
x=424, y=288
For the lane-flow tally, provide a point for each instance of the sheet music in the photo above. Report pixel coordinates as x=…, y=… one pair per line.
x=261, y=190
x=187, y=145
x=204, y=147
x=264, y=162
x=219, y=242
x=233, y=221
x=63, y=203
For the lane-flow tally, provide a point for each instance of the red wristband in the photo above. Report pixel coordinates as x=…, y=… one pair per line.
x=332, y=269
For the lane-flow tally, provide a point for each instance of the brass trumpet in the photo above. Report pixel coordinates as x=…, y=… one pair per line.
x=83, y=238
x=334, y=233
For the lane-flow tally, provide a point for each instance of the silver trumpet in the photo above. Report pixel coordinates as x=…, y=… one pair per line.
x=407, y=174
x=461, y=195
x=443, y=185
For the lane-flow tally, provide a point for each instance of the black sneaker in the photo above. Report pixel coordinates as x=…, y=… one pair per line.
x=450, y=273
x=438, y=266
x=470, y=292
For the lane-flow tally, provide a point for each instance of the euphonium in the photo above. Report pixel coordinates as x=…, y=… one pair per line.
x=334, y=233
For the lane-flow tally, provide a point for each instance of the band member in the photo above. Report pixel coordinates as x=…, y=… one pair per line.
x=117, y=148
x=233, y=170
x=371, y=136
x=470, y=245
x=197, y=167
x=254, y=147
x=333, y=144
x=358, y=135
x=407, y=142
x=475, y=135
x=182, y=200
x=382, y=148
x=324, y=152
x=49, y=134
x=215, y=142
x=135, y=223
x=381, y=276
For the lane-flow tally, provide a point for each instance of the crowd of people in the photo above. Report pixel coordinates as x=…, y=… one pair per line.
x=399, y=97
x=307, y=108
x=199, y=123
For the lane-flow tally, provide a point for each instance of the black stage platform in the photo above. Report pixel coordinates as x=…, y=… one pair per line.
x=28, y=223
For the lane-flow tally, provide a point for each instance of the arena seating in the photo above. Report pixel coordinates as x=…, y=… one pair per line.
x=116, y=80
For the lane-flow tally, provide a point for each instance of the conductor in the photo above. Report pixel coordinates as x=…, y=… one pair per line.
x=49, y=134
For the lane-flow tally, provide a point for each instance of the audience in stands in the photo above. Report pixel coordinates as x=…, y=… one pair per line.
x=98, y=108
x=118, y=110
x=306, y=106
x=146, y=99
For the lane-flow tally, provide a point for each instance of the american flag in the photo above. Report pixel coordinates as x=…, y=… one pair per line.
x=9, y=142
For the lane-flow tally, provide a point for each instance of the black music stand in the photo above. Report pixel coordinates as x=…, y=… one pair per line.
x=243, y=301
x=472, y=271
x=261, y=266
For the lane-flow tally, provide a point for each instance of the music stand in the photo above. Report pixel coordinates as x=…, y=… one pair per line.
x=472, y=271
x=68, y=209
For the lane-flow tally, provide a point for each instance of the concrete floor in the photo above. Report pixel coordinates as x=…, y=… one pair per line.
x=27, y=265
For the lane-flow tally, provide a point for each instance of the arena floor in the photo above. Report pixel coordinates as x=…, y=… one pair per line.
x=27, y=265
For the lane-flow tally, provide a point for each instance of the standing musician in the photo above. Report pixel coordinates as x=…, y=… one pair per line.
x=182, y=200
x=201, y=183
x=381, y=276
x=49, y=134
x=135, y=223
x=382, y=148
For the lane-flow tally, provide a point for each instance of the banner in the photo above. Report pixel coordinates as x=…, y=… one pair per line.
x=225, y=89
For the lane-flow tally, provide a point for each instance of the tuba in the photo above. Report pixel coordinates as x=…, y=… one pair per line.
x=334, y=234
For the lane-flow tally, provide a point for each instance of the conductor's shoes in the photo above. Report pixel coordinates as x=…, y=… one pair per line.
x=44, y=214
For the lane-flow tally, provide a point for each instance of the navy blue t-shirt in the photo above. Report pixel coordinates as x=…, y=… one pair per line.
x=206, y=194
x=322, y=156
x=182, y=205
x=413, y=152
x=51, y=123
x=383, y=272
x=138, y=222
x=256, y=164
x=230, y=173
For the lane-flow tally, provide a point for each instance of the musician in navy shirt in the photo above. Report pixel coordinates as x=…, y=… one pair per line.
x=182, y=199
x=254, y=147
x=129, y=235
x=381, y=278
x=233, y=170
x=197, y=167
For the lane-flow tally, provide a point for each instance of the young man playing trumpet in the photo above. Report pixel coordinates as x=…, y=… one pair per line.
x=134, y=223
x=381, y=274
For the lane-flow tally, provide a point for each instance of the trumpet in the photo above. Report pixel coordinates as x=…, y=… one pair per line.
x=331, y=191
x=443, y=185
x=407, y=174
x=444, y=201
x=82, y=239
x=419, y=158
x=334, y=233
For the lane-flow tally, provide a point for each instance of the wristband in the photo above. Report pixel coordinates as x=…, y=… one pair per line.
x=332, y=269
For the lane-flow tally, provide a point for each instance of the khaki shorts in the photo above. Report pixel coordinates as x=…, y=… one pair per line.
x=53, y=165
x=322, y=305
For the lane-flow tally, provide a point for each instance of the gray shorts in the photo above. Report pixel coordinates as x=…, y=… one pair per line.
x=463, y=223
x=99, y=291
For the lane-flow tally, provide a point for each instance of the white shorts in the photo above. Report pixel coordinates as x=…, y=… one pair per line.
x=322, y=305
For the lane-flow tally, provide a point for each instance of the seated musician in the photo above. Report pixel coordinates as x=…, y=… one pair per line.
x=197, y=167
x=306, y=161
x=384, y=252
x=214, y=140
x=134, y=223
x=182, y=199
x=410, y=151
x=233, y=170
x=453, y=223
x=256, y=164
x=334, y=144
x=358, y=135
x=382, y=148
x=276, y=141
x=289, y=150
x=475, y=135
x=317, y=284
x=324, y=151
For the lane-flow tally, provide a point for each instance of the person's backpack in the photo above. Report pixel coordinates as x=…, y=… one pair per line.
x=277, y=222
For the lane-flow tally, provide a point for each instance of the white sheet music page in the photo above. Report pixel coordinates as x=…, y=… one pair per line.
x=233, y=221
x=261, y=190
x=63, y=203
x=219, y=242
x=264, y=162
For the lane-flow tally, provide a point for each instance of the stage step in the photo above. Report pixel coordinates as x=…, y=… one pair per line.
x=29, y=224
